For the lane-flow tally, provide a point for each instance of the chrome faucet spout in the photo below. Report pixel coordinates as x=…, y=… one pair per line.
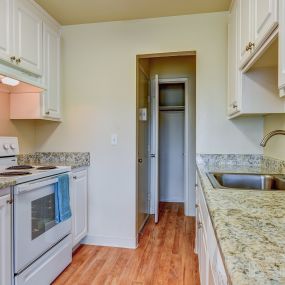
x=270, y=135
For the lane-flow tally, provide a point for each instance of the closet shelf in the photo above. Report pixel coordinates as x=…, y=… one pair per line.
x=171, y=108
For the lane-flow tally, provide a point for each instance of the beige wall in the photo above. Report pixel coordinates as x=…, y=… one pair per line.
x=275, y=146
x=99, y=82
x=23, y=129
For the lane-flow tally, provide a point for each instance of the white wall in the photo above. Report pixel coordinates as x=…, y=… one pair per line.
x=99, y=82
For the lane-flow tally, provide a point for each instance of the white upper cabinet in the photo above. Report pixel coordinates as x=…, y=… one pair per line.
x=281, y=76
x=6, y=32
x=252, y=58
x=244, y=8
x=265, y=19
x=51, y=76
x=258, y=19
x=28, y=37
x=233, y=95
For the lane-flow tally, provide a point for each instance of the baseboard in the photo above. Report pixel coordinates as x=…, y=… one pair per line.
x=143, y=224
x=110, y=241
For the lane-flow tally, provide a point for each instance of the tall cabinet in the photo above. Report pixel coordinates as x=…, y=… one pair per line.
x=5, y=241
x=281, y=82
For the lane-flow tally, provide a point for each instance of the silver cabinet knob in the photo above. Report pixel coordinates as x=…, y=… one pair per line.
x=12, y=58
x=75, y=177
x=47, y=112
x=200, y=225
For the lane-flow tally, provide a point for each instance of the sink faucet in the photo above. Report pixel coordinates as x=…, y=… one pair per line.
x=270, y=135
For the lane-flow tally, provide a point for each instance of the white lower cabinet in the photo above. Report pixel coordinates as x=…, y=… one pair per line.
x=211, y=267
x=5, y=241
x=79, y=189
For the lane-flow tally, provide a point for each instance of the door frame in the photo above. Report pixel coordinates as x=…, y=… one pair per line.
x=185, y=81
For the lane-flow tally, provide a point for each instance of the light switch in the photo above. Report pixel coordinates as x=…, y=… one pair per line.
x=143, y=114
x=114, y=139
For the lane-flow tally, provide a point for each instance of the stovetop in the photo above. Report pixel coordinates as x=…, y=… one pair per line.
x=23, y=174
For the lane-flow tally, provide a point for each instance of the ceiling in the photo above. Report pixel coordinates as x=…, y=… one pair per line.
x=71, y=12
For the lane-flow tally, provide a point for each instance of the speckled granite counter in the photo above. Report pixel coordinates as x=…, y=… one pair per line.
x=249, y=224
x=72, y=159
x=6, y=182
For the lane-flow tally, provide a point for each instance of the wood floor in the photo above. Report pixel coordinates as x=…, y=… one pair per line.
x=165, y=256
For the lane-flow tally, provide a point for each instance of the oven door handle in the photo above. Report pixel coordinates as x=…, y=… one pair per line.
x=32, y=186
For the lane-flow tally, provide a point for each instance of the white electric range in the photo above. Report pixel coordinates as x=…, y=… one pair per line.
x=42, y=245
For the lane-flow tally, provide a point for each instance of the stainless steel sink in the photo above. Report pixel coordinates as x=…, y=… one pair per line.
x=247, y=181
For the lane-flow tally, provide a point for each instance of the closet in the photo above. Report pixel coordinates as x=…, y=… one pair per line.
x=171, y=141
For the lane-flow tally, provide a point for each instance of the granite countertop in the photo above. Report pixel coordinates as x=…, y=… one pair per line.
x=6, y=182
x=72, y=159
x=249, y=226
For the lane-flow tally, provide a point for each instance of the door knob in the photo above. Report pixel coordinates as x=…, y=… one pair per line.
x=140, y=160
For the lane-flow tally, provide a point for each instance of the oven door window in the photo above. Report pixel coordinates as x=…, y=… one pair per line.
x=43, y=215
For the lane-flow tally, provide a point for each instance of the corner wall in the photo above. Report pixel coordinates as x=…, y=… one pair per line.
x=99, y=83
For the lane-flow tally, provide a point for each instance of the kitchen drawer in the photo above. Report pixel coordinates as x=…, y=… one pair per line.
x=49, y=266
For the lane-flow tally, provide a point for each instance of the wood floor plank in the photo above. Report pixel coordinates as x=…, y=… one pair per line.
x=165, y=255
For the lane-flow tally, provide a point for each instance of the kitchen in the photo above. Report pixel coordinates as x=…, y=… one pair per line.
x=72, y=106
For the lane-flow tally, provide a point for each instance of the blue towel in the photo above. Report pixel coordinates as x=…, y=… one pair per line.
x=62, y=199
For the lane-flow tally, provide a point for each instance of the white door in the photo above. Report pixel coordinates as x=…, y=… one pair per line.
x=28, y=37
x=6, y=32
x=245, y=29
x=265, y=19
x=155, y=144
x=5, y=241
x=79, y=206
x=51, y=73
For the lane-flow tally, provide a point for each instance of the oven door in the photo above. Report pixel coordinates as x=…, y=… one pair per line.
x=35, y=228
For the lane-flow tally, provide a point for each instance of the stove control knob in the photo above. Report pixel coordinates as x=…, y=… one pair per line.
x=6, y=146
x=12, y=146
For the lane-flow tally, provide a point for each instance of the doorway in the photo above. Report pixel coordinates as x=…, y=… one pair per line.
x=170, y=122
x=169, y=142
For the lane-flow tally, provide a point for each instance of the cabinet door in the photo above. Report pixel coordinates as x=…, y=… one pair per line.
x=28, y=37
x=5, y=241
x=203, y=259
x=265, y=18
x=6, y=32
x=281, y=76
x=79, y=205
x=245, y=29
x=51, y=75
x=233, y=100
